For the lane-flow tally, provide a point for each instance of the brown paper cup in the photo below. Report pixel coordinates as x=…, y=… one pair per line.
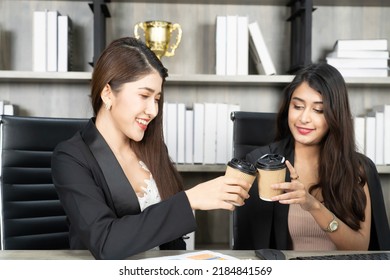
x=272, y=170
x=268, y=178
x=235, y=173
x=242, y=170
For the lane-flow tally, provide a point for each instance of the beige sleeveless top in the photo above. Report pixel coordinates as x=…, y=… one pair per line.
x=305, y=233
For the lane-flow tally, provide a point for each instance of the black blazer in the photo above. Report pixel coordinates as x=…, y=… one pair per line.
x=102, y=208
x=261, y=224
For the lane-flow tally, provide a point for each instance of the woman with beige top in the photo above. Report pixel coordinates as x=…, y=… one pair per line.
x=326, y=202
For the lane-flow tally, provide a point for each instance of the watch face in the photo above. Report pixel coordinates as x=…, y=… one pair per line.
x=333, y=225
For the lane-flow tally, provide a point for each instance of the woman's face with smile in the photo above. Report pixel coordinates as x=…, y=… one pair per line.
x=306, y=118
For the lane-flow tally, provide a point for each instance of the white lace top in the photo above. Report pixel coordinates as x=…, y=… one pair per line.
x=150, y=192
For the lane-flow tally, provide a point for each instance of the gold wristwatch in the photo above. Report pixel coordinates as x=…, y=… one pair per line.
x=333, y=225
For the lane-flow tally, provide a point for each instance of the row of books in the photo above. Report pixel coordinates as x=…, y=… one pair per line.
x=51, y=41
x=202, y=134
x=360, y=58
x=237, y=41
x=372, y=132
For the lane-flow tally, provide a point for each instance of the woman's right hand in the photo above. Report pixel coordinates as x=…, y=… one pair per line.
x=295, y=192
x=220, y=193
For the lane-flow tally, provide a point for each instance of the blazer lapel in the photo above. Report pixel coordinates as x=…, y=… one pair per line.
x=122, y=193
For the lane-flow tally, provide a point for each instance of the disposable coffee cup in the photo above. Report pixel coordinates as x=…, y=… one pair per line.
x=272, y=170
x=241, y=169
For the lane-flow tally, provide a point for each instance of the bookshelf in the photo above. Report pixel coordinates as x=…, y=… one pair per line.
x=191, y=70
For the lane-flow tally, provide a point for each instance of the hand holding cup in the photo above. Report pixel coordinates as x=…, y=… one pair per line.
x=241, y=169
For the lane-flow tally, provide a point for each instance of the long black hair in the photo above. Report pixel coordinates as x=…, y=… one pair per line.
x=127, y=60
x=341, y=174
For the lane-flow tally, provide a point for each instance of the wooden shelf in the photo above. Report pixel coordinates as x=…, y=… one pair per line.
x=201, y=167
x=383, y=169
x=373, y=3
x=204, y=79
x=176, y=79
x=29, y=76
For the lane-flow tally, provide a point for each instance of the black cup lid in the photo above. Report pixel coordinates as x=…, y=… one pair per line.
x=243, y=166
x=271, y=162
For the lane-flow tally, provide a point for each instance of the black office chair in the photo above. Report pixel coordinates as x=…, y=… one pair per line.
x=250, y=130
x=31, y=215
x=253, y=129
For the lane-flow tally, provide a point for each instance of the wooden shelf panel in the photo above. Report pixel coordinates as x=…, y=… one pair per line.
x=367, y=3
x=373, y=3
x=204, y=79
x=383, y=169
x=176, y=79
x=201, y=167
x=28, y=76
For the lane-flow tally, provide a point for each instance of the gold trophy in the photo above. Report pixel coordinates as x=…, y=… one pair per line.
x=157, y=36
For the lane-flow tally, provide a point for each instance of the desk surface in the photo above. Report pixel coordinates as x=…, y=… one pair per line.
x=86, y=255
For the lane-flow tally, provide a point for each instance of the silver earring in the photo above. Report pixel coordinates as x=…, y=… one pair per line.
x=107, y=106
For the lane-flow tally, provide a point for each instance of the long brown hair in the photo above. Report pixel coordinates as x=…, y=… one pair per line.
x=341, y=174
x=127, y=60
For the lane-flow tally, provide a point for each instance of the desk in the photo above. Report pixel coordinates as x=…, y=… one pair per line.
x=86, y=255
x=45, y=255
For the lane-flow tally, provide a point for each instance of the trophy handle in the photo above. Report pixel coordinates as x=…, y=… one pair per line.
x=138, y=25
x=176, y=27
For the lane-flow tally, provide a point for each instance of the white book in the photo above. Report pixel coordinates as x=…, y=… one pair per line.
x=255, y=58
x=359, y=126
x=220, y=43
x=172, y=130
x=231, y=108
x=198, y=132
x=9, y=109
x=165, y=117
x=359, y=54
x=64, y=43
x=370, y=137
x=386, y=133
x=39, y=36
x=260, y=48
x=379, y=138
x=231, y=45
x=52, y=41
x=2, y=104
x=210, y=133
x=363, y=72
x=242, y=45
x=361, y=44
x=223, y=120
x=189, y=137
x=385, y=108
x=340, y=62
x=181, y=115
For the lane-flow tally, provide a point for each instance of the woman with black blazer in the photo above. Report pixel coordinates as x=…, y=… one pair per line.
x=115, y=180
x=326, y=201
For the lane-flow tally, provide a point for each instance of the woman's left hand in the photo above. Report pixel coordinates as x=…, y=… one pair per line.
x=294, y=191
